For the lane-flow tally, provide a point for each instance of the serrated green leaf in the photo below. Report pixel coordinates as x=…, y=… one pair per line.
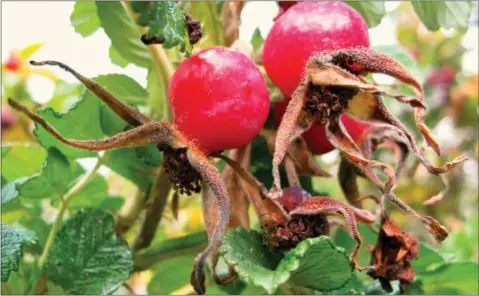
x=87, y=257
x=84, y=18
x=456, y=278
x=21, y=160
x=123, y=32
x=165, y=22
x=315, y=263
x=81, y=122
x=54, y=179
x=372, y=11
x=257, y=40
x=116, y=58
x=448, y=14
x=13, y=241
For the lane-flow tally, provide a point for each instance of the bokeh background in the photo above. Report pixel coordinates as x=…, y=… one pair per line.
x=445, y=60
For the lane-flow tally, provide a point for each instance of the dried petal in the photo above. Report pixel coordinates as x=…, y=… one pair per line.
x=392, y=255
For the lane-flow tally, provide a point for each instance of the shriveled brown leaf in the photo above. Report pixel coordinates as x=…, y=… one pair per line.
x=392, y=255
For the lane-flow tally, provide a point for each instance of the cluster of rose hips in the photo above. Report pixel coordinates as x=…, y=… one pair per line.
x=220, y=101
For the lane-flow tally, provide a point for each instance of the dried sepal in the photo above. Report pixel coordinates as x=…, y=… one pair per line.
x=295, y=121
x=392, y=255
x=212, y=178
x=299, y=153
x=268, y=211
x=156, y=132
x=230, y=18
x=339, y=138
x=126, y=112
x=239, y=205
x=382, y=114
x=440, y=195
x=326, y=206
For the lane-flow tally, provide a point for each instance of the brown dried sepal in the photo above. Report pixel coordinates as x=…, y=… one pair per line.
x=392, y=255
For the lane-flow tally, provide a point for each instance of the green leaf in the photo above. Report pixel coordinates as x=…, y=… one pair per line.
x=372, y=11
x=427, y=257
x=81, y=122
x=257, y=40
x=65, y=95
x=13, y=241
x=116, y=58
x=123, y=32
x=451, y=278
x=54, y=179
x=123, y=88
x=10, y=191
x=315, y=263
x=448, y=14
x=87, y=257
x=21, y=160
x=84, y=18
x=165, y=22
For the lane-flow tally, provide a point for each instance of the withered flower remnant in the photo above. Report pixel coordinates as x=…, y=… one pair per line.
x=333, y=83
x=392, y=256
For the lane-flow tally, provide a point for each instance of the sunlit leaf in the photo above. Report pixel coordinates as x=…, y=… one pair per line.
x=84, y=18
x=123, y=32
x=372, y=11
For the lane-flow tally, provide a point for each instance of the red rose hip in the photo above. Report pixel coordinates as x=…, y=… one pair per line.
x=305, y=29
x=219, y=99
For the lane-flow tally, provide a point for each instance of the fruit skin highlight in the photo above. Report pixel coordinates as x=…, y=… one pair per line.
x=219, y=99
x=315, y=136
x=307, y=28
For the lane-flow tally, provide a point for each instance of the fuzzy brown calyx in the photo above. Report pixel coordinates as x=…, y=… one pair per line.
x=324, y=101
x=285, y=236
x=184, y=178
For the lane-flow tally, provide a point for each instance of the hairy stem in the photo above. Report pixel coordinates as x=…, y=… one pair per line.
x=63, y=206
